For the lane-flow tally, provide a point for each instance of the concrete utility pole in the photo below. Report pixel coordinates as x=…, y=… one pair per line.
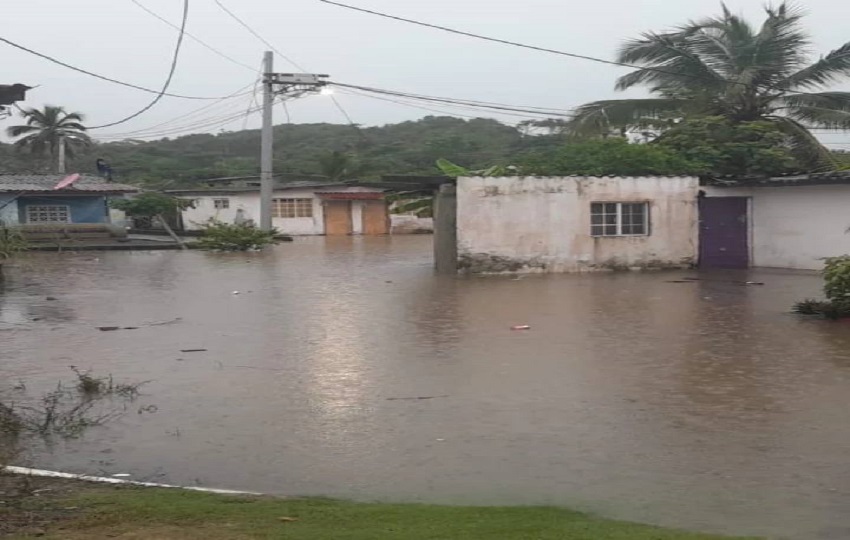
x=273, y=84
x=60, y=161
x=267, y=144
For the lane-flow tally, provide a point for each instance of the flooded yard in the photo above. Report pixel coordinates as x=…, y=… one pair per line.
x=344, y=367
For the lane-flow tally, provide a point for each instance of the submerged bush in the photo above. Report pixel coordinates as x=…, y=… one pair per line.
x=11, y=242
x=836, y=288
x=221, y=236
x=837, y=277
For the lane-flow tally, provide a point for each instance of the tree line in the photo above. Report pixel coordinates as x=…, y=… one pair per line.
x=728, y=98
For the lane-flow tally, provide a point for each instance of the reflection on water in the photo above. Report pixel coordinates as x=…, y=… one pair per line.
x=703, y=405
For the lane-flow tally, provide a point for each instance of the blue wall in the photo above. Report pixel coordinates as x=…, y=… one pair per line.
x=8, y=209
x=84, y=209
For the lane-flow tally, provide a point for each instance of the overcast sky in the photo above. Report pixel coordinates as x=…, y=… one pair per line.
x=118, y=39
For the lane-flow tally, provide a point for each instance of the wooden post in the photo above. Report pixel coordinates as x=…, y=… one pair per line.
x=170, y=232
x=445, y=229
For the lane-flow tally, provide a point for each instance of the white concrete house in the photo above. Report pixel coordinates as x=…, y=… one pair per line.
x=786, y=222
x=574, y=224
x=298, y=208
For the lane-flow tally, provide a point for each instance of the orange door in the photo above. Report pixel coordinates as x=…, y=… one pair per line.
x=376, y=219
x=337, y=218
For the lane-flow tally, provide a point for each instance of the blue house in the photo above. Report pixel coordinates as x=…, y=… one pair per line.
x=31, y=199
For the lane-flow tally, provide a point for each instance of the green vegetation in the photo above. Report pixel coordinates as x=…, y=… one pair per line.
x=149, y=204
x=335, y=151
x=724, y=66
x=181, y=515
x=340, y=152
x=720, y=146
x=92, y=386
x=46, y=129
x=11, y=243
x=611, y=157
x=836, y=276
x=219, y=236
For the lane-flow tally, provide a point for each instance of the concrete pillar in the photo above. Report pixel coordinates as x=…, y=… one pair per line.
x=445, y=229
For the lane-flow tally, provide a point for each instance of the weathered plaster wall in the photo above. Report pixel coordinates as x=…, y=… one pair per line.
x=249, y=202
x=795, y=226
x=542, y=224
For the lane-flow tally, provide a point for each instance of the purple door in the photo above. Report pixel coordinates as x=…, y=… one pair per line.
x=724, y=233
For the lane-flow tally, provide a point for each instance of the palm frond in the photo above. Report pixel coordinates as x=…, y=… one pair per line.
x=830, y=68
x=780, y=46
x=673, y=64
x=804, y=145
x=820, y=117
x=17, y=131
x=599, y=117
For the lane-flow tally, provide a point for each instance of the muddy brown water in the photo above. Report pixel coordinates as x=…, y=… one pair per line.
x=703, y=405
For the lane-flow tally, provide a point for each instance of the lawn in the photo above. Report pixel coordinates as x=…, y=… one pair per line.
x=93, y=512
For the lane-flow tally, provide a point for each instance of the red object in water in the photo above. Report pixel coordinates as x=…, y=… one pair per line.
x=67, y=181
x=521, y=327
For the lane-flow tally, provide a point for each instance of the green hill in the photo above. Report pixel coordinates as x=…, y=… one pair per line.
x=405, y=148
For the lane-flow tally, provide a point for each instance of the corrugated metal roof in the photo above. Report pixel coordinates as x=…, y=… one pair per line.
x=45, y=182
x=813, y=179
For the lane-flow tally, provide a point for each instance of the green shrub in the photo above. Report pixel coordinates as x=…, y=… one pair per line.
x=837, y=277
x=11, y=242
x=220, y=236
x=811, y=307
x=836, y=288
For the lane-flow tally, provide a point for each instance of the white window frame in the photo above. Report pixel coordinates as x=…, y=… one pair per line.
x=297, y=205
x=45, y=208
x=221, y=203
x=619, y=224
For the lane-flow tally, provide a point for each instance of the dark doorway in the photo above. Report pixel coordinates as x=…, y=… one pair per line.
x=724, y=232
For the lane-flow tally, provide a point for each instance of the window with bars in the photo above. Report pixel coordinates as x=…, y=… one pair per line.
x=53, y=213
x=221, y=204
x=619, y=219
x=292, y=208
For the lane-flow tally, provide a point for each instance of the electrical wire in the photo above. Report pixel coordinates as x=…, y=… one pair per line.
x=101, y=77
x=253, y=101
x=256, y=35
x=168, y=79
x=295, y=64
x=192, y=37
x=545, y=49
x=207, y=123
x=238, y=93
x=407, y=104
x=539, y=111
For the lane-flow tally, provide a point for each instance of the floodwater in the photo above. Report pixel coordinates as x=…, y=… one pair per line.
x=703, y=405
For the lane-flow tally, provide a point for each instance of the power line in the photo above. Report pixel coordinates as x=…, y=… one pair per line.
x=207, y=123
x=97, y=76
x=545, y=49
x=256, y=35
x=407, y=104
x=285, y=57
x=192, y=37
x=168, y=79
x=238, y=93
x=468, y=104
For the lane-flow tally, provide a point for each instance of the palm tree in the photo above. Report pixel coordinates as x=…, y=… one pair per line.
x=723, y=66
x=336, y=165
x=49, y=128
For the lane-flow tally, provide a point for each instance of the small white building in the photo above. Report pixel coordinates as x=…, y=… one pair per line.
x=786, y=222
x=298, y=208
x=574, y=224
